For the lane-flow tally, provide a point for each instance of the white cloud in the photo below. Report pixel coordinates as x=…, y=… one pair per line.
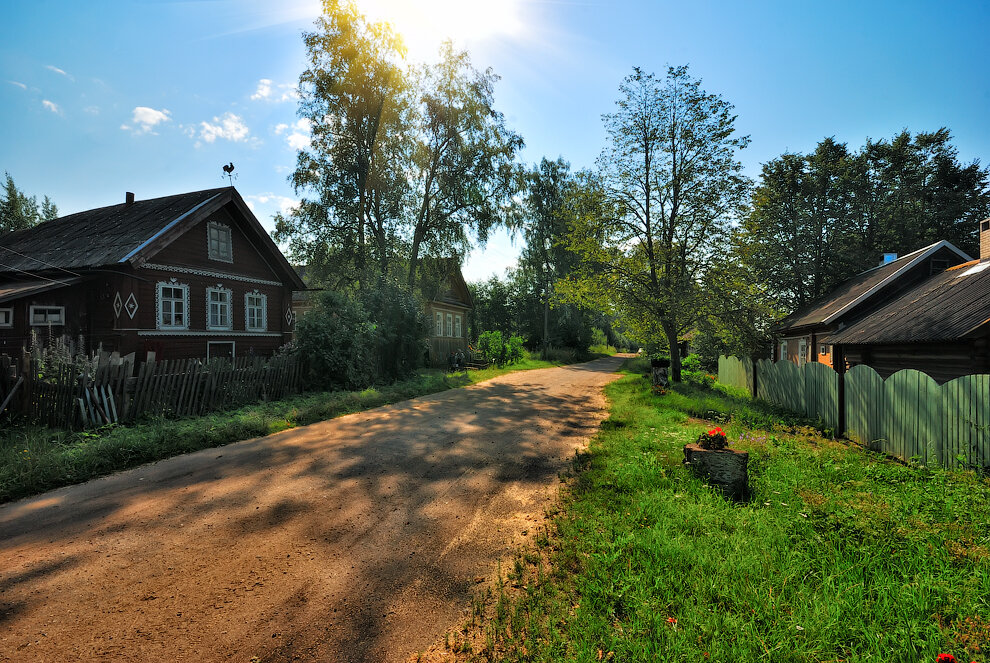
x=280, y=128
x=60, y=72
x=92, y=110
x=284, y=204
x=18, y=84
x=298, y=139
x=229, y=126
x=52, y=106
x=277, y=93
x=145, y=119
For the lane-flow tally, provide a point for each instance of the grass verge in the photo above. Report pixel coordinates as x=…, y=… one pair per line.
x=34, y=459
x=840, y=555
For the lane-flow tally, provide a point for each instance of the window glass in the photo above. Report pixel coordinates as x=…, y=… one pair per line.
x=450, y=325
x=6, y=317
x=219, y=308
x=457, y=326
x=783, y=350
x=219, y=242
x=47, y=315
x=439, y=324
x=255, y=305
x=172, y=304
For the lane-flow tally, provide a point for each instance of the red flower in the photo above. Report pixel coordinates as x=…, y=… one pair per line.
x=671, y=621
x=945, y=658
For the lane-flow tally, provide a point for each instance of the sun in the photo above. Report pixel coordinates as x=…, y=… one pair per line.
x=424, y=24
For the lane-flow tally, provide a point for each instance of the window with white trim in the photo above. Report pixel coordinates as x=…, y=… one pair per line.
x=439, y=324
x=450, y=324
x=47, y=315
x=255, y=311
x=457, y=326
x=802, y=351
x=218, y=308
x=783, y=351
x=218, y=240
x=6, y=317
x=173, y=305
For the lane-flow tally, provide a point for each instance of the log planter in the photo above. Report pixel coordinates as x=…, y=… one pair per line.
x=724, y=468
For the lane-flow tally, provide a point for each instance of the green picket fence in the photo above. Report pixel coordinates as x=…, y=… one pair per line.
x=908, y=415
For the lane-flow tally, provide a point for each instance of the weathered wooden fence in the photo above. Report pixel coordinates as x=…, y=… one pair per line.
x=908, y=415
x=73, y=395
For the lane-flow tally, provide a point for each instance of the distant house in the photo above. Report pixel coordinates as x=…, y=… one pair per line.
x=448, y=303
x=940, y=326
x=189, y=275
x=807, y=335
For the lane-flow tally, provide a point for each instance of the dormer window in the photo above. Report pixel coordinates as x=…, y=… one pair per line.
x=218, y=240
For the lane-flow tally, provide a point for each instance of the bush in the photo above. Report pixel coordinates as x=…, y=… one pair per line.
x=400, y=328
x=499, y=351
x=337, y=342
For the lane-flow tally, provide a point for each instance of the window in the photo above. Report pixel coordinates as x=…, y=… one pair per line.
x=218, y=308
x=6, y=317
x=450, y=325
x=173, y=306
x=783, y=351
x=47, y=315
x=439, y=324
x=984, y=225
x=939, y=265
x=218, y=239
x=823, y=350
x=802, y=351
x=457, y=326
x=255, y=311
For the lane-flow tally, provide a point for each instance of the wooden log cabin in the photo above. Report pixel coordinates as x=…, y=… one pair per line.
x=186, y=276
x=448, y=304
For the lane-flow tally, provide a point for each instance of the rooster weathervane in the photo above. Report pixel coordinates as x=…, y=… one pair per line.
x=228, y=172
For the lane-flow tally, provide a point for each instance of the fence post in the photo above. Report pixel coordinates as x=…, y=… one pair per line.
x=839, y=364
x=756, y=376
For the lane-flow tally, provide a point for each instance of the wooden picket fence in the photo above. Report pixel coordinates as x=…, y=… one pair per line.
x=908, y=415
x=72, y=396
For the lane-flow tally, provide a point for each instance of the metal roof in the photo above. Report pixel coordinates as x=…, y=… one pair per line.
x=853, y=291
x=951, y=305
x=17, y=289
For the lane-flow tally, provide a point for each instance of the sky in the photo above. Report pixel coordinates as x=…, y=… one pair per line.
x=99, y=98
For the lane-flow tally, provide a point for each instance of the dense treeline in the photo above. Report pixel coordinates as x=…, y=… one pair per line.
x=19, y=210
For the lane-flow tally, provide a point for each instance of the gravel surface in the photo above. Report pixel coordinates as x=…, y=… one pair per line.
x=356, y=539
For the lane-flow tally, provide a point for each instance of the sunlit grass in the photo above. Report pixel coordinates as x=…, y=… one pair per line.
x=840, y=555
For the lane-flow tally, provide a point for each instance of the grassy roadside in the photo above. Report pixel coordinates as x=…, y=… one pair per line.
x=840, y=555
x=34, y=459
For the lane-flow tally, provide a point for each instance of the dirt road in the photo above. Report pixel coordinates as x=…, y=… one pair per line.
x=357, y=539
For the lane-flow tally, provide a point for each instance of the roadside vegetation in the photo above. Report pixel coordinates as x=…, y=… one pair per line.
x=34, y=459
x=840, y=554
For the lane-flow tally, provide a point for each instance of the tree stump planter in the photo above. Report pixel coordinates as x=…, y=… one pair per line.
x=724, y=468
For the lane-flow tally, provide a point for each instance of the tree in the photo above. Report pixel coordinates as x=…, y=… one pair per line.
x=463, y=159
x=19, y=211
x=360, y=106
x=671, y=183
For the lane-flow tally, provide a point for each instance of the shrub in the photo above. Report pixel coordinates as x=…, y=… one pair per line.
x=500, y=351
x=400, y=329
x=337, y=340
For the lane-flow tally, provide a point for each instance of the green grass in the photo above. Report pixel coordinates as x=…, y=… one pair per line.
x=34, y=459
x=840, y=555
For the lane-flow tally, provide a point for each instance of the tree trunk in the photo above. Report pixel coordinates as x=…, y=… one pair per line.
x=414, y=260
x=675, y=352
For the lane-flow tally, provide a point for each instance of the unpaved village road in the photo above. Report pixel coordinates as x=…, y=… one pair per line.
x=356, y=539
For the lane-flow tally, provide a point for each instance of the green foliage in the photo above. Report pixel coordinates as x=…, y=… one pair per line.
x=19, y=211
x=400, y=329
x=498, y=350
x=644, y=256
x=337, y=342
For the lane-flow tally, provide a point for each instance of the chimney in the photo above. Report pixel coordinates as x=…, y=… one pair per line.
x=888, y=258
x=129, y=198
x=985, y=239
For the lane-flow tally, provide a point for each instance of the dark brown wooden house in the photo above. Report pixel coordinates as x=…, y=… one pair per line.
x=448, y=304
x=190, y=275
x=941, y=326
x=805, y=335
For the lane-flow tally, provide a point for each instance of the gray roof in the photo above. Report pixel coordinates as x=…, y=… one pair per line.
x=951, y=305
x=853, y=291
x=97, y=237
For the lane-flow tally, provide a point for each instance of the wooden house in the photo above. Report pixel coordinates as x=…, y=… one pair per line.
x=448, y=303
x=805, y=335
x=940, y=326
x=189, y=275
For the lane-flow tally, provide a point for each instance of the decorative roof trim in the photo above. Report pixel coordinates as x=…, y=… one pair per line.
x=923, y=253
x=203, y=332
x=209, y=273
x=167, y=227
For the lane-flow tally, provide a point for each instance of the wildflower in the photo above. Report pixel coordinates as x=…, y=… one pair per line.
x=945, y=658
x=672, y=622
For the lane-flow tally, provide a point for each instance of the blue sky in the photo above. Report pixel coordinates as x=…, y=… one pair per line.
x=153, y=97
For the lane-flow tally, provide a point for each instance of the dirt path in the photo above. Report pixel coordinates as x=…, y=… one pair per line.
x=357, y=539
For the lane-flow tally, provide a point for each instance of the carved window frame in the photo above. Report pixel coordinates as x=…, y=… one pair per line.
x=248, y=307
x=458, y=328
x=184, y=287
x=229, y=303
x=6, y=318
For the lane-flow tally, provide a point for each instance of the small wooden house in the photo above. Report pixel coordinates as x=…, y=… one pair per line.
x=448, y=304
x=189, y=275
x=804, y=336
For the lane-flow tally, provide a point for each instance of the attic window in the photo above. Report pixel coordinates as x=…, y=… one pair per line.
x=985, y=225
x=218, y=241
x=939, y=265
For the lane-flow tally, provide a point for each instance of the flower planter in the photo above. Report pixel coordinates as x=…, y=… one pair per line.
x=724, y=468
